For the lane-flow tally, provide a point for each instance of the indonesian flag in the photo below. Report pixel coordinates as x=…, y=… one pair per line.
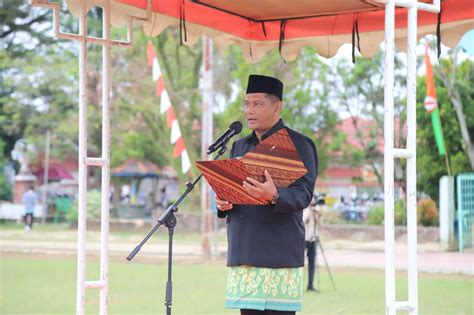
x=431, y=104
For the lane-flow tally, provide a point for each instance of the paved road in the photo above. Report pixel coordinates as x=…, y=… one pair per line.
x=339, y=253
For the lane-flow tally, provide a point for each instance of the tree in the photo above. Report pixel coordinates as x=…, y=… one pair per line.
x=360, y=92
x=23, y=30
x=456, y=78
x=25, y=40
x=5, y=187
x=137, y=128
x=44, y=89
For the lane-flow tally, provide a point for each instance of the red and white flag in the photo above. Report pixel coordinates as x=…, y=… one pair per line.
x=176, y=137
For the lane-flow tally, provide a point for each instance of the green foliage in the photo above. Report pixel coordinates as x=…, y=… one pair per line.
x=93, y=204
x=180, y=66
x=359, y=92
x=42, y=100
x=72, y=214
x=427, y=211
x=5, y=187
x=19, y=20
x=139, y=130
x=58, y=107
x=36, y=72
x=376, y=214
x=400, y=212
x=93, y=207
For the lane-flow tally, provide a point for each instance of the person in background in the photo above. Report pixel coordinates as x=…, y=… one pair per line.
x=164, y=201
x=30, y=199
x=149, y=204
x=312, y=223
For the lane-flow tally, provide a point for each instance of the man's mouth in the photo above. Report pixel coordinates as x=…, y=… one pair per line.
x=251, y=120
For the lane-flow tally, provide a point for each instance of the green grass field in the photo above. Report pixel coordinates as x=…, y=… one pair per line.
x=46, y=285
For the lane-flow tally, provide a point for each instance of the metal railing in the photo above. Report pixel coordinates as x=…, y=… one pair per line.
x=465, y=209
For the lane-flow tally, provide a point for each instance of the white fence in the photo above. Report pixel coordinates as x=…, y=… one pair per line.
x=16, y=211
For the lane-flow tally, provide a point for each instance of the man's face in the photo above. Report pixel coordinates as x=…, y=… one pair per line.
x=260, y=112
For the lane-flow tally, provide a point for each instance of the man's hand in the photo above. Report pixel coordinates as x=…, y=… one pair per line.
x=265, y=191
x=223, y=205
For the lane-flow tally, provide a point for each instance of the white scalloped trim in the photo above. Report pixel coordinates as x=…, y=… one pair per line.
x=253, y=51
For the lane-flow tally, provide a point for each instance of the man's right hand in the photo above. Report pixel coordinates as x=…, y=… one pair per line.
x=223, y=205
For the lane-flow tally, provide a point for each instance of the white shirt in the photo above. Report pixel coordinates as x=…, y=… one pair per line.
x=312, y=221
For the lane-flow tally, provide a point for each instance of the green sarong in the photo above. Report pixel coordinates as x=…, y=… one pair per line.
x=258, y=288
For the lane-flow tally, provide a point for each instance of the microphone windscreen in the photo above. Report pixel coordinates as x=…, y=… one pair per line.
x=236, y=126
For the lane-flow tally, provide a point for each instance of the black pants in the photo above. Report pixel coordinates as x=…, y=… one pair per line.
x=29, y=220
x=265, y=312
x=311, y=253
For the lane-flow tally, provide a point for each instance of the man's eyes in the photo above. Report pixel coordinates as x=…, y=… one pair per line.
x=252, y=105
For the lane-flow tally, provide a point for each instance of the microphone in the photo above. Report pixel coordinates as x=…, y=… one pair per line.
x=234, y=129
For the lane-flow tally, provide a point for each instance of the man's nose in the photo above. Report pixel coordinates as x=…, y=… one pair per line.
x=250, y=110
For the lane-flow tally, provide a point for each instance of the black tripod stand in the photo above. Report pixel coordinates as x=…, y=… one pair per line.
x=318, y=242
x=169, y=220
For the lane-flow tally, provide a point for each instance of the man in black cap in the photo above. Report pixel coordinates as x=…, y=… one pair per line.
x=266, y=243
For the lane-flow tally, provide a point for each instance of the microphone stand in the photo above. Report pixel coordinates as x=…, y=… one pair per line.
x=169, y=220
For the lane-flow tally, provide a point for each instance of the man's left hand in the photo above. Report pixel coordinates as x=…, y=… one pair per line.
x=265, y=190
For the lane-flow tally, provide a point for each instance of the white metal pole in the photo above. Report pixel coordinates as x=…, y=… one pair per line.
x=84, y=161
x=46, y=176
x=105, y=180
x=411, y=162
x=82, y=194
x=389, y=158
x=206, y=138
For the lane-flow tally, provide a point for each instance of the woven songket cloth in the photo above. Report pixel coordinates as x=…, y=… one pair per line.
x=259, y=288
x=277, y=154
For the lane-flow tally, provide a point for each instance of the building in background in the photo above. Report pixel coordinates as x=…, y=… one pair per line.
x=351, y=176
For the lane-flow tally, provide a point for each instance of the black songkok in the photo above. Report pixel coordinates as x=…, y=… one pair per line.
x=263, y=84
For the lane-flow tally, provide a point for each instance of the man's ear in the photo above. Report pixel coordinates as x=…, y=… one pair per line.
x=278, y=107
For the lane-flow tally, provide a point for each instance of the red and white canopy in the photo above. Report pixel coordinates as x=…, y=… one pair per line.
x=258, y=26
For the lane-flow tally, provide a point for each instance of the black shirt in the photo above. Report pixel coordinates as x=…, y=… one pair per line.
x=272, y=235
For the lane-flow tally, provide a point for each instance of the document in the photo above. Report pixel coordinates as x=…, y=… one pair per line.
x=277, y=154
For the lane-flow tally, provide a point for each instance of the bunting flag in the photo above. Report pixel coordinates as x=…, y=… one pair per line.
x=176, y=137
x=431, y=105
